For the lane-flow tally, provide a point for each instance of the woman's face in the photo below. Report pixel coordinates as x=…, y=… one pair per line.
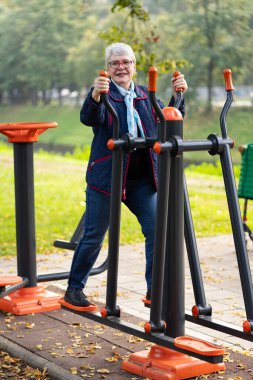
x=121, y=69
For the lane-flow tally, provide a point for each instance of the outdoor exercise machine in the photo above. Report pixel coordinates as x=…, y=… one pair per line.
x=245, y=186
x=201, y=307
x=20, y=294
x=167, y=314
x=166, y=327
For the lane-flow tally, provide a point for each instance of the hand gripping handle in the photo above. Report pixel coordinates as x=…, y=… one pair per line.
x=175, y=75
x=109, y=107
x=103, y=73
x=152, y=78
x=228, y=80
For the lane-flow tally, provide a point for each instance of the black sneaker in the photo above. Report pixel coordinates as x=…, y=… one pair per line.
x=148, y=295
x=76, y=297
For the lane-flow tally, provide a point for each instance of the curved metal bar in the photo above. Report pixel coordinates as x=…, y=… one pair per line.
x=114, y=115
x=229, y=88
x=64, y=275
x=224, y=112
x=159, y=114
x=179, y=99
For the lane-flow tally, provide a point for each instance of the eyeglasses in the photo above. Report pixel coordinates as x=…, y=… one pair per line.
x=116, y=64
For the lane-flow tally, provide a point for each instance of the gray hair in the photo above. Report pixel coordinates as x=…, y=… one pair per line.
x=119, y=48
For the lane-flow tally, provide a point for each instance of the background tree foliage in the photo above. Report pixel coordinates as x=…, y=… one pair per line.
x=60, y=43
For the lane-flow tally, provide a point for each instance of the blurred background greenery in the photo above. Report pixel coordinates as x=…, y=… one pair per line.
x=50, y=53
x=49, y=60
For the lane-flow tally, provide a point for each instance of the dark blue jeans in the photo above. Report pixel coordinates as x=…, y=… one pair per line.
x=141, y=201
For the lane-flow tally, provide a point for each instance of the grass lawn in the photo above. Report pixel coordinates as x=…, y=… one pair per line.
x=60, y=201
x=197, y=125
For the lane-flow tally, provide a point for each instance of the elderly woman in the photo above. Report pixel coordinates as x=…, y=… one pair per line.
x=135, y=114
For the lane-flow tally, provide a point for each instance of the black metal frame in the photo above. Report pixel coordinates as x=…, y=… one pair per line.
x=171, y=143
x=167, y=314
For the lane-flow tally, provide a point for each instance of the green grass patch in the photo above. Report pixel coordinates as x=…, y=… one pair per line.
x=70, y=131
x=60, y=201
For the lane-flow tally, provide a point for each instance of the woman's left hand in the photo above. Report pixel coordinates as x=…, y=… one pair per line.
x=178, y=83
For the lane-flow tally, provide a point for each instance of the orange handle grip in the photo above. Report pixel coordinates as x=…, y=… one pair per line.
x=103, y=73
x=228, y=80
x=152, y=77
x=175, y=75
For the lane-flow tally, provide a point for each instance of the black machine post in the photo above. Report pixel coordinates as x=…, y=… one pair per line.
x=156, y=324
x=173, y=289
x=25, y=215
x=234, y=208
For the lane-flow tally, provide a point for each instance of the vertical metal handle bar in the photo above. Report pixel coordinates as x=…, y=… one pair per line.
x=192, y=251
x=160, y=239
x=229, y=88
x=233, y=205
x=238, y=233
x=115, y=213
x=152, y=74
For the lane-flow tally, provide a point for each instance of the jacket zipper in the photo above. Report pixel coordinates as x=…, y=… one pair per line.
x=97, y=161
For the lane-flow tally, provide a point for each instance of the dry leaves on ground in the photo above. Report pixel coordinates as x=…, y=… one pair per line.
x=15, y=369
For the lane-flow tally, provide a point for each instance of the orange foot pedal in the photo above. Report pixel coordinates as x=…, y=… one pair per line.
x=9, y=280
x=90, y=308
x=146, y=302
x=161, y=363
x=198, y=346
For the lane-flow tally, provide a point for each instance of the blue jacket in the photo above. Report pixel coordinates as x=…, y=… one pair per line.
x=98, y=175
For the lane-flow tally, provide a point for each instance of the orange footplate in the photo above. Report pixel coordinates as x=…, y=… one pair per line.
x=9, y=280
x=92, y=307
x=198, y=346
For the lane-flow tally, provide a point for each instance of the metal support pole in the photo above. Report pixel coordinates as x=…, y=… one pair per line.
x=115, y=215
x=160, y=240
x=114, y=232
x=238, y=233
x=25, y=215
x=173, y=292
x=192, y=251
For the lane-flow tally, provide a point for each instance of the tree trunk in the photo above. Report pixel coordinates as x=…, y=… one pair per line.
x=59, y=97
x=210, y=85
x=46, y=98
x=34, y=97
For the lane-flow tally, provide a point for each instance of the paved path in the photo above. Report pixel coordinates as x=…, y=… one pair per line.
x=223, y=292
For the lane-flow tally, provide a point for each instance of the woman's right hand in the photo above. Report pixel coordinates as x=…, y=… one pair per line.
x=101, y=85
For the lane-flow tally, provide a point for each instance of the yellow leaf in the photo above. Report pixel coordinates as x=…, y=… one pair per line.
x=112, y=359
x=29, y=325
x=73, y=370
x=103, y=370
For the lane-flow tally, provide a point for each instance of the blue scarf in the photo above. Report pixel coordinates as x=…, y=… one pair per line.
x=133, y=118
